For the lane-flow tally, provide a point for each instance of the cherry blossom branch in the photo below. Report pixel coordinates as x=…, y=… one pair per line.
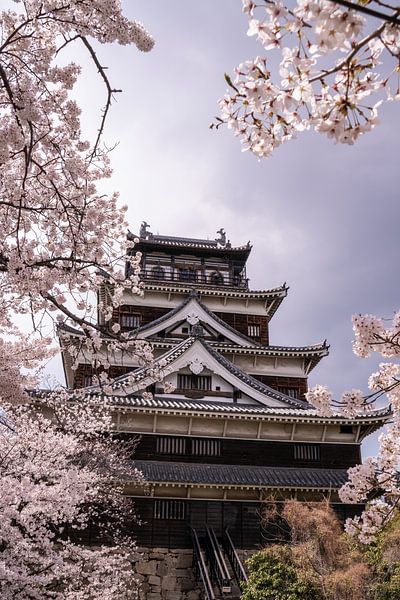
x=110, y=91
x=264, y=114
x=369, y=11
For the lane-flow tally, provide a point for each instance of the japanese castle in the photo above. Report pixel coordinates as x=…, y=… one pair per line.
x=232, y=426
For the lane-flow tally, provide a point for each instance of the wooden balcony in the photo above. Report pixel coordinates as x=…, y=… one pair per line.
x=195, y=277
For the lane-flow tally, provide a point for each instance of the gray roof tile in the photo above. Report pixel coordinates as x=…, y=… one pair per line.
x=241, y=475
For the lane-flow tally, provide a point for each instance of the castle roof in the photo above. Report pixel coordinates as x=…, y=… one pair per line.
x=179, y=356
x=241, y=475
x=248, y=411
x=152, y=242
x=275, y=294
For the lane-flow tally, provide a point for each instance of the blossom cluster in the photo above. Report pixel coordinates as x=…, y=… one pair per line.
x=366, y=527
x=381, y=474
x=330, y=67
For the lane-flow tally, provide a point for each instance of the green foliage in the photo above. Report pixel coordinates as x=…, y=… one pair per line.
x=389, y=589
x=273, y=576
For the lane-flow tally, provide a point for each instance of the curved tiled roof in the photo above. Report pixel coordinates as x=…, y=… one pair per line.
x=201, y=407
x=279, y=292
x=240, y=475
x=182, y=242
x=257, y=410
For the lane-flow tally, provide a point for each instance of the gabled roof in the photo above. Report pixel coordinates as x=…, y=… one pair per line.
x=312, y=353
x=195, y=347
x=193, y=304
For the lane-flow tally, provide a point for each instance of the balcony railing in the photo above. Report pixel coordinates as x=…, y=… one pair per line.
x=189, y=277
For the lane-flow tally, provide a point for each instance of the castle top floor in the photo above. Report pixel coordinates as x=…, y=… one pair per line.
x=169, y=259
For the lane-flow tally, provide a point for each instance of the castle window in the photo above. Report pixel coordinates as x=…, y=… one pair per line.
x=87, y=380
x=194, y=382
x=237, y=394
x=171, y=445
x=253, y=330
x=201, y=447
x=170, y=509
x=307, y=452
x=158, y=273
x=346, y=429
x=129, y=320
x=216, y=278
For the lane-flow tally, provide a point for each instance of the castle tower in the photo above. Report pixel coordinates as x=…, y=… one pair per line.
x=236, y=428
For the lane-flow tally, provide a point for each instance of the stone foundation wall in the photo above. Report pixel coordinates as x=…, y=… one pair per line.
x=169, y=574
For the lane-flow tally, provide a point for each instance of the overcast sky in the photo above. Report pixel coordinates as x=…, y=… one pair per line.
x=324, y=218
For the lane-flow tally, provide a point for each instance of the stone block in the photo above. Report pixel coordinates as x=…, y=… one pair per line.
x=156, y=556
x=183, y=572
x=184, y=560
x=193, y=595
x=174, y=596
x=154, y=580
x=162, y=569
x=168, y=582
x=153, y=596
x=146, y=568
x=186, y=585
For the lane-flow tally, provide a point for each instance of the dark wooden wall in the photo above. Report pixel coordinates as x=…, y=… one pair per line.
x=280, y=383
x=241, y=322
x=87, y=370
x=248, y=452
x=242, y=518
x=148, y=314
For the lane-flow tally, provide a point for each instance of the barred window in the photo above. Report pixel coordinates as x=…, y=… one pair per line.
x=194, y=382
x=311, y=452
x=204, y=447
x=170, y=509
x=187, y=275
x=171, y=445
x=253, y=330
x=292, y=392
x=188, y=446
x=87, y=380
x=129, y=320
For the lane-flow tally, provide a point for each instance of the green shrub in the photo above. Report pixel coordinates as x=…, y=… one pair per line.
x=273, y=576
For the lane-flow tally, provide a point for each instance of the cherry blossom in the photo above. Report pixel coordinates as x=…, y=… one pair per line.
x=61, y=237
x=378, y=476
x=58, y=473
x=336, y=68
